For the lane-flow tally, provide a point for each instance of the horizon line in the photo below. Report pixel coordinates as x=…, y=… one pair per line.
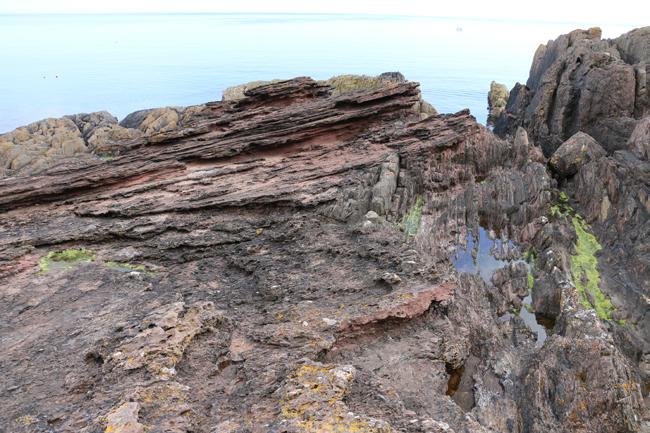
x=341, y=14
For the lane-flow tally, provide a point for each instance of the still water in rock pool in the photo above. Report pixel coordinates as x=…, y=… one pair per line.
x=484, y=256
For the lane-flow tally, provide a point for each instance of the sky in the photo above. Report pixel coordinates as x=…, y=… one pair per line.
x=593, y=11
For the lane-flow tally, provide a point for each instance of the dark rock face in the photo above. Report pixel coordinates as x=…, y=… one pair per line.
x=639, y=142
x=281, y=262
x=580, y=82
x=586, y=105
x=577, y=151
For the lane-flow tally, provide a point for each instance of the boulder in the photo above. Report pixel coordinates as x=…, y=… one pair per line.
x=135, y=119
x=88, y=122
x=577, y=151
x=102, y=133
x=152, y=121
x=111, y=138
x=158, y=120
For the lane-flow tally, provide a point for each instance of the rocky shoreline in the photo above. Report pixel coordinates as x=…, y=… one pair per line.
x=335, y=256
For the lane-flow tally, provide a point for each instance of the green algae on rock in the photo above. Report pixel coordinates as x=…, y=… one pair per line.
x=65, y=259
x=584, y=267
x=584, y=263
x=120, y=266
x=411, y=221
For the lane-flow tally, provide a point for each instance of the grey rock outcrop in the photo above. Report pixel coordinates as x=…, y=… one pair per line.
x=497, y=101
x=580, y=82
x=102, y=133
x=33, y=147
x=239, y=91
x=639, y=142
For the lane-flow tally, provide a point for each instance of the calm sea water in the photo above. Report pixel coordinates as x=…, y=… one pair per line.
x=62, y=64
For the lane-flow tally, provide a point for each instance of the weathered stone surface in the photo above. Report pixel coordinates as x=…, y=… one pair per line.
x=165, y=337
x=281, y=261
x=497, y=100
x=600, y=395
x=639, y=142
x=35, y=146
x=111, y=139
x=124, y=419
x=312, y=401
x=239, y=91
x=577, y=151
x=580, y=82
x=349, y=83
x=88, y=122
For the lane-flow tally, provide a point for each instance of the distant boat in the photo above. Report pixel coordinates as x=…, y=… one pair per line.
x=459, y=29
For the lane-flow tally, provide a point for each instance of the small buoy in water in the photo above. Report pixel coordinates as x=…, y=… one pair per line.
x=459, y=29
x=56, y=76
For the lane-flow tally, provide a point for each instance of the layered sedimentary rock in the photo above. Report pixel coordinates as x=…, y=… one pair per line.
x=580, y=82
x=283, y=261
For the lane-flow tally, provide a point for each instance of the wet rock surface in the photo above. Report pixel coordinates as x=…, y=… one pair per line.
x=282, y=261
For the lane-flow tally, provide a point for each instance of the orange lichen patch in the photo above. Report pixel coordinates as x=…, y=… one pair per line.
x=405, y=305
x=312, y=401
x=162, y=344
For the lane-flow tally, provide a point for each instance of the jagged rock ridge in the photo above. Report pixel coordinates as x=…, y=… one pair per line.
x=580, y=82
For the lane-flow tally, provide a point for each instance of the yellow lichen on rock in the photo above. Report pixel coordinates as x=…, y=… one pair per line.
x=124, y=419
x=165, y=337
x=312, y=401
x=160, y=120
x=160, y=406
x=238, y=92
x=26, y=420
x=349, y=83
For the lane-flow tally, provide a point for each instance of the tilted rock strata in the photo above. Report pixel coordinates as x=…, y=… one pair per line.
x=281, y=262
